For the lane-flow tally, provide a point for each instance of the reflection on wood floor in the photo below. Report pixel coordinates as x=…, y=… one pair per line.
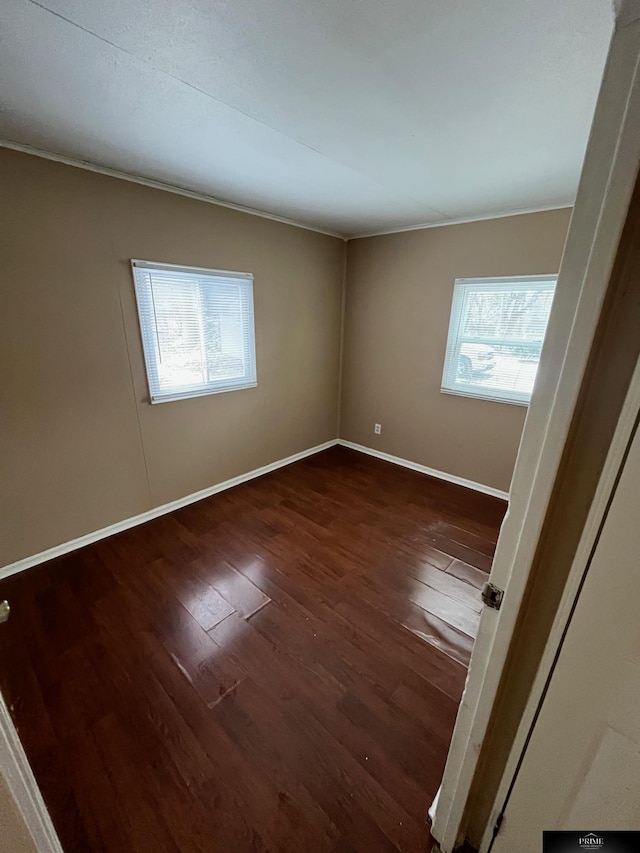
x=275, y=668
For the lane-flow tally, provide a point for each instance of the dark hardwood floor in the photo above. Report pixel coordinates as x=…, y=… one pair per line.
x=276, y=668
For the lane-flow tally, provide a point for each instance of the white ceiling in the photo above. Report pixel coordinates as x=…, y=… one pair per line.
x=353, y=116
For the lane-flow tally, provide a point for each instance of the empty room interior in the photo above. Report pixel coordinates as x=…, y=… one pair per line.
x=276, y=286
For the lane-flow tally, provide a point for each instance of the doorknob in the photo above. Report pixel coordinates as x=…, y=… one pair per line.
x=5, y=610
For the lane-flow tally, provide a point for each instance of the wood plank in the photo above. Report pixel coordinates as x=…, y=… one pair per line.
x=441, y=634
x=450, y=585
x=244, y=596
x=467, y=573
x=459, y=551
x=448, y=609
x=274, y=668
x=197, y=596
x=457, y=533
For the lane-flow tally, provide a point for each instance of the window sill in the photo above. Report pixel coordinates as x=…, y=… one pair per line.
x=205, y=392
x=487, y=397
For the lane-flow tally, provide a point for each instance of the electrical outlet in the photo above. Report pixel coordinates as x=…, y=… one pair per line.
x=377, y=428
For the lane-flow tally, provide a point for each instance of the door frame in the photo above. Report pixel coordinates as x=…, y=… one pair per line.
x=616, y=458
x=18, y=775
x=604, y=194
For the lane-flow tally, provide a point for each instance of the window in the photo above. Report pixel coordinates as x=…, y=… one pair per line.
x=495, y=336
x=197, y=330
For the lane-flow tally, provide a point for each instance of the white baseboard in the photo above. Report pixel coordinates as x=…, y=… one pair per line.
x=414, y=466
x=125, y=524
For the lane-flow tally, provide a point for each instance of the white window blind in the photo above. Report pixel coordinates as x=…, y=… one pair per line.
x=197, y=330
x=495, y=338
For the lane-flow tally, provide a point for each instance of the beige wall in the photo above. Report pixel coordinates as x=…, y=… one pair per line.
x=399, y=291
x=81, y=447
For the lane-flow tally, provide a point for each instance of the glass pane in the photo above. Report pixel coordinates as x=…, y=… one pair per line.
x=518, y=314
x=176, y=305
x=497, y=368
x=501, y=337
x=223, y=332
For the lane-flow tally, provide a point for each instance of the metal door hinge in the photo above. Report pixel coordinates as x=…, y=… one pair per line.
x=492, y=595
x=5, y=610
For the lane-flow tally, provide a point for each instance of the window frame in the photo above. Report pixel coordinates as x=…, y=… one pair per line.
x=149, y=337
x=450, y=368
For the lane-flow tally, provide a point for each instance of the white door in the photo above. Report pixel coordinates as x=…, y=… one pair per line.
x=581, y=770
